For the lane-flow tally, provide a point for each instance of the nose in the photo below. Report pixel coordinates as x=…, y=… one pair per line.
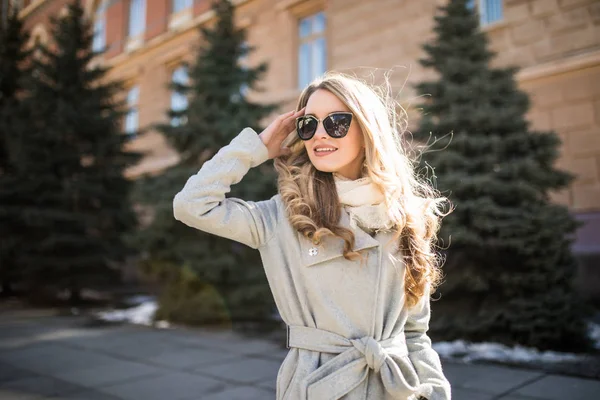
x=320, y=133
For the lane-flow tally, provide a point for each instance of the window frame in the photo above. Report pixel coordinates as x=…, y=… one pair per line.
x=99, y=41
x=142, y=22
x=309, y=41
x=173, y=95
x=133, y=109
x=482, y=9
x=187, y=5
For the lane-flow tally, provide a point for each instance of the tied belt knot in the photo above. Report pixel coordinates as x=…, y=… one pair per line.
x=350, y=367
x=372, y=350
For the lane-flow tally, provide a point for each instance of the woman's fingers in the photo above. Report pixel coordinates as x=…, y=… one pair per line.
x=289, y=117
x=290, y=121
x=286, y=124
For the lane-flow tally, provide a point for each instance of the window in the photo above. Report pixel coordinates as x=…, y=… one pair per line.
x=137, y=17
x=489, y=11
x=312, y=52
x=243, y=63
x=180, y=5
x=99, y=41
x=131, y=118
x=179, y=101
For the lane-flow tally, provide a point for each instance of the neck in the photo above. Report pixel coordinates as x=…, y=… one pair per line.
x=352, y=171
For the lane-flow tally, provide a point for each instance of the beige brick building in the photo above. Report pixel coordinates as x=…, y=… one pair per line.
x=555, y=42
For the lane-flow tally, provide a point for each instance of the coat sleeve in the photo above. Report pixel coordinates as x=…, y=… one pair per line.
x=201, y=203
x=433, y=383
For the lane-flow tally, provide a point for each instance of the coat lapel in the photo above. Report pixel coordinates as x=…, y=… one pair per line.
x=333, y=247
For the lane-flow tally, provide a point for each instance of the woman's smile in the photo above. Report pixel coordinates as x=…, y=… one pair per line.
x=324, y=150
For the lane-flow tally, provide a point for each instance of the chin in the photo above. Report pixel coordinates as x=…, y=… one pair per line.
x=322, y=167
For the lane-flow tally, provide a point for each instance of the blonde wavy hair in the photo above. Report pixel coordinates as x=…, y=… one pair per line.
x=310, y=196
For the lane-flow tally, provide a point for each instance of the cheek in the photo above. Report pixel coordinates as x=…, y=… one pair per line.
x=307, y=146
x=353, y=142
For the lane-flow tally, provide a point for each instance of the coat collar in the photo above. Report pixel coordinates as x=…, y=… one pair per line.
x=333, y=247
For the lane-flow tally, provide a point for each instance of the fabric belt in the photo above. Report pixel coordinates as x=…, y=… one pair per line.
x=350, y=367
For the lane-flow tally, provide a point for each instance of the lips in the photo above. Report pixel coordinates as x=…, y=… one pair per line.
x=322, y=149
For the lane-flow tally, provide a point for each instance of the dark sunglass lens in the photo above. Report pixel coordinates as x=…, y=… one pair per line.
x=337, y=125
x=306, y=127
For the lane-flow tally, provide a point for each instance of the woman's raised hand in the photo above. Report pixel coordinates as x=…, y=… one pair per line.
x=277, y=131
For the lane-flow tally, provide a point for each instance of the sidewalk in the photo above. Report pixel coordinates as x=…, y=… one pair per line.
x=50, y=357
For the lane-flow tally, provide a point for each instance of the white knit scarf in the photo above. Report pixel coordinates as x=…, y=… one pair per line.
x=364, y=202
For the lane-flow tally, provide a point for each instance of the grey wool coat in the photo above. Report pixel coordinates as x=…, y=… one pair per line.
x=350, y=335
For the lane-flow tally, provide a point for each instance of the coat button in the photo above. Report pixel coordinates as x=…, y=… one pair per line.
x=313, y=251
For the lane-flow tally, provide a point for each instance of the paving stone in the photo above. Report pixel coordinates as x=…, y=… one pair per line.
x=487, y=378
x=19, y=395
x=276, y=355
x=249, y=347
x=554, y=387
x=240, y=393
x=269, y=383
x=203, y=338
x=87, y=395
x=192, y=357
x=21, y=341
x=10, y=373
x=50, y=359
x=243, y=370
x=116, y=337
x=24, y=352
x=469, y=394
x=142, y=349
x=21, y=333
x=97, y=338
x=226, y=340
x=172, y=386
x=38, y=386
x=118, y=371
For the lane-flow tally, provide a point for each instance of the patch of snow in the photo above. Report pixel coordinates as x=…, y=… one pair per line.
x=138, y=299
x=467, y=352
x=142, y=314
x=594, y=332
x=162, y=324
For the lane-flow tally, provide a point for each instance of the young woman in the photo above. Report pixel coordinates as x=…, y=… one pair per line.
x=346, y=244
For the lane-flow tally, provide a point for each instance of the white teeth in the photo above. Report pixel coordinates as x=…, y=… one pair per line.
x=323, y=149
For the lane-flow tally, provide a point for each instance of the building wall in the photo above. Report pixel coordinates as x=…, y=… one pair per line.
x=555, y=42
x=557, y=45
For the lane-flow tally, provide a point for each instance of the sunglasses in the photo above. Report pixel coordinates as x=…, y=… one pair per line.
x=336, y=125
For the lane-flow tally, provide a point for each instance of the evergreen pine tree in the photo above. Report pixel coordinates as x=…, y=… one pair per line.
x=509, y=267
x=218, y=109
x=13, y=71
x=73, y=161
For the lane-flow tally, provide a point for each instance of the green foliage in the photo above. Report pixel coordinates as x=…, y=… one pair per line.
x=74, y=198
x=185, y=298
x=218, y=110
x=509, y=270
